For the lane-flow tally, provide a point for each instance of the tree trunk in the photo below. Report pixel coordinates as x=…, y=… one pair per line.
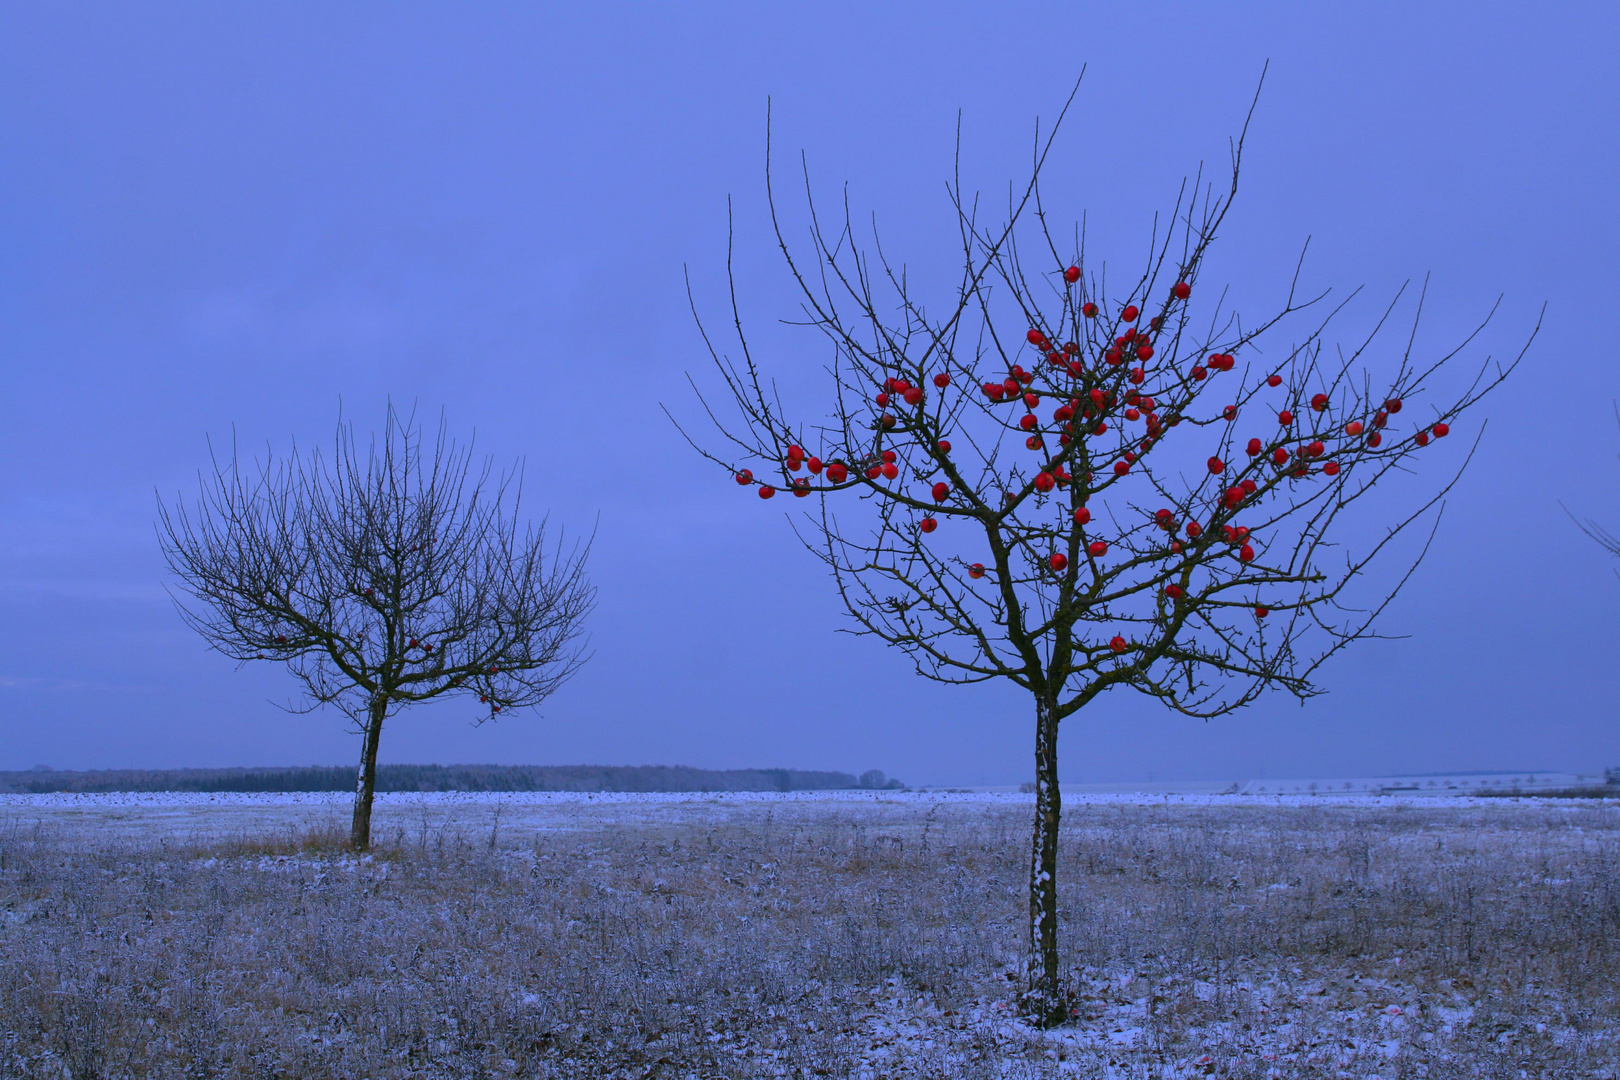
x=1044, y=1000
x=366, y=784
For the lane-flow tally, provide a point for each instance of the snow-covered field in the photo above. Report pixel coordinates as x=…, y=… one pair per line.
x=189, y=816
x=864, y=934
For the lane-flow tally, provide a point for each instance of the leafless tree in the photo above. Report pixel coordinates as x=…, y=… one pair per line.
x=1079, y=489
x=382, y=577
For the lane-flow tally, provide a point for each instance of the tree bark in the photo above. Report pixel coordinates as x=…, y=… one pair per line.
x=1044, y=999
x=366, y=783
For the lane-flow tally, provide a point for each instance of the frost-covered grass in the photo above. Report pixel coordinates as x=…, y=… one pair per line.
x=859, y=935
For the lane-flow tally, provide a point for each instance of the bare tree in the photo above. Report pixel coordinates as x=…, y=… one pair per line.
x=383, y=577
x=1080, y=490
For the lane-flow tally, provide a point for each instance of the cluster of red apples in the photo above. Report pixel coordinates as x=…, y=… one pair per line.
x=1089, y=397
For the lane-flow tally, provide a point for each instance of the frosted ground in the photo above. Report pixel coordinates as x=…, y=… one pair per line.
x=809, y=934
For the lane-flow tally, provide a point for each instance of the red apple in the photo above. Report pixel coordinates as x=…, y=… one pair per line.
x=1254, y=448
x=1035, y=337
x=1393, y=405
x=890, y=470
x=1173, y=591
x=1442, y=430
x=1129, y=314
x=814, y=465
x=1280, y=456
x=1044, y=481
x=1248, y=487
x=1144, y=352
x=928, y=525
x=1421, y=438
x=1089, y=310
x=1194, y=530
x=1331, y=468
x=1319, y=402
x=976, y=570
x=1216, y=466
x=942, y=380
x=1274, y=380
x=882, y=401
x=1138, y=376
x=766, y=491
x=1246, y=554
x=1182, y=290
x=1058, y=561
x=1072, y=274
x=744, y=477
x=1285, y=418
x=1096, y=549
x=944, y=446
x=1353, y=428
x=1132, y=414
x=1121, y=468
x=1261, y=612
x=1082, y=516
x=890, y=455
x=1027, y=421
x=886, y=421
x=1118, y=644
x=1199, y=374
x=837, y=472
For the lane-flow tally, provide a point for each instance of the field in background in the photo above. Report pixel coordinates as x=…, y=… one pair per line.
x=665, y=778
x=803, y=935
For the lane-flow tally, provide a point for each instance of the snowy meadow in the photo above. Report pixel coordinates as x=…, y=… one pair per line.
x=858, y=935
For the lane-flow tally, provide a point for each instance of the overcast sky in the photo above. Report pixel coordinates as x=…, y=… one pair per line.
x=222, y=216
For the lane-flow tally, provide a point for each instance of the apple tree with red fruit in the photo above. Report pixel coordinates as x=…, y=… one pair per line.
x=1079, y=489
x=380, y=578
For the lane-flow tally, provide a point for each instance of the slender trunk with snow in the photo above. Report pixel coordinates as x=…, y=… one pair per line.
x=1044, y=1000
x=366, y=783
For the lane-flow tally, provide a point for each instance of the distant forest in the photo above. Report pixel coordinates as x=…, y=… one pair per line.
x=42, y=781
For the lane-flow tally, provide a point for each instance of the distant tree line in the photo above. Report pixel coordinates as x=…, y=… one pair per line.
x=629, y=778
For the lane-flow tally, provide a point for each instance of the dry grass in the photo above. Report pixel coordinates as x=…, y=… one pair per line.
x=824, y=939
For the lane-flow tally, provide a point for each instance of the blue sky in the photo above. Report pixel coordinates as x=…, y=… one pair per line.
x=218, y=215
